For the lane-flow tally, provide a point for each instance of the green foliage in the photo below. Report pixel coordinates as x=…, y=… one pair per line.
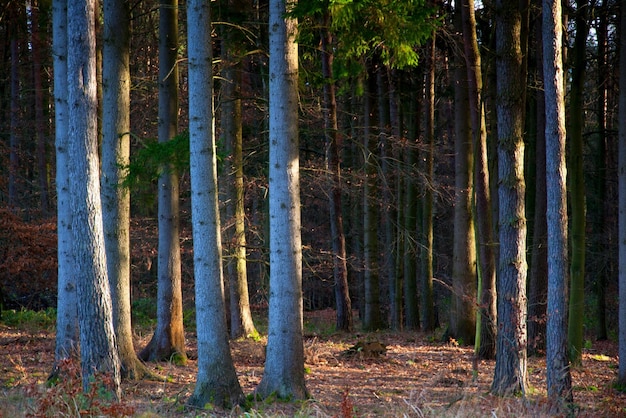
x=392, y=29
x=144, y=312
x=149, y=162
x=30, y=320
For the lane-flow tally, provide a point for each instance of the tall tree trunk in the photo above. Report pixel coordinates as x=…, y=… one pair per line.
x=510, y=369
x=340, y=268
x=216, y=381
x=577, y=185
x=284, y=366
x=537, y=280
x=67, y=314
x=115, y=156
x=463, y=314
x=371, y=276
x=427, y=303
x=598, y=208
x=241, y=323
x=97, y=337
x=168, y=340
x=621, y=376
x=486, y=326
x=557, y=364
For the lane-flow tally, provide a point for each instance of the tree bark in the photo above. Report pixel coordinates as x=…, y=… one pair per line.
x=463, y=312
x=510, y=369
x=486, y=329
x=284, y=365
x=621, y=378
x=216, y=381
x=97, y=337
x=537, y=279
x=557, y=364
x=115, y=156
x=67, y=314
x=168, y=340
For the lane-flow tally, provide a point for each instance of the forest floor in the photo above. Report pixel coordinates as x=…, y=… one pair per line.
x=417, y=377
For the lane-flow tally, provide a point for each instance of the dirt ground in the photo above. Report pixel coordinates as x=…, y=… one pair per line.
x=417, y=377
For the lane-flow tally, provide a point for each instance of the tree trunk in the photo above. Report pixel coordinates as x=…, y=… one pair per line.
x=284, y=365
x=557, y=364
x=621, y=377
x=333, y=145
x=216, y=381
x=577, y=186
x=510, y=369
x=537, y=280
x=241, y=323
x=168, y=340
x=371, y=276
x=463, y=313
x=115, y=156
x=97, y=336
x=597, y=207
x=486, y=321
x=67, y=314
x=427, y=305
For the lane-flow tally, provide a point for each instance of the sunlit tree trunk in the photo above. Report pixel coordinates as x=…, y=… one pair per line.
x=557, y=363
x=486, y=331
x=510, y=370
x=116, y=156
x=168, y=340
x=216, y=381
x=97, y=337
x=284, y=365
x=67, y=313
x=577, y=185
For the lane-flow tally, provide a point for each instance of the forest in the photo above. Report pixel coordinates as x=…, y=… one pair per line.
x=313, y=208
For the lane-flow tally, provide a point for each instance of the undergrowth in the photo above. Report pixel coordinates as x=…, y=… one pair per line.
x=63, y=396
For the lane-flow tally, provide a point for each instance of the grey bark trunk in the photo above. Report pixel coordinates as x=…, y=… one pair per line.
x=284, y=366
x=557, y=364
x=216, y=381
x=67, y=314
x=97, y=337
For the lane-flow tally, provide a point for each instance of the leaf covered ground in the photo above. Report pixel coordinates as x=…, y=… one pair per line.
x=417, y=376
